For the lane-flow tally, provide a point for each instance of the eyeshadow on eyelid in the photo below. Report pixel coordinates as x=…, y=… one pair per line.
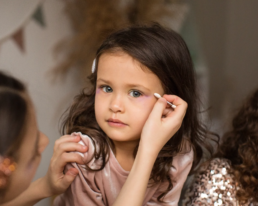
x=143, y=97
x=97, y=90
x=146, y=96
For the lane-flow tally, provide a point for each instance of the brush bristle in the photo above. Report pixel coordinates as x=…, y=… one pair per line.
x=157, y=95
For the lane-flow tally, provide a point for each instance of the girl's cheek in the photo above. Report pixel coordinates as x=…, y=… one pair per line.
x=144, y=100
x=100, y=94
x=33, y=165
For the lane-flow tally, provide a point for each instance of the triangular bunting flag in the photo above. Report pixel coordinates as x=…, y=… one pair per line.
x=18, y=39
x=39, y=17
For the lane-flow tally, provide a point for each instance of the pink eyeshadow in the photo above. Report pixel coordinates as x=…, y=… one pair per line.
x=97, y=90
x=143, y=98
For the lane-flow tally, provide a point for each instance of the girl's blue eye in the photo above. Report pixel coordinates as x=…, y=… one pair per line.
x=107, y=89
x=135, y=93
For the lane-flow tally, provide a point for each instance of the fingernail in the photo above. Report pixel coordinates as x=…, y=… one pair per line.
x=75, y=136
x=84, y=147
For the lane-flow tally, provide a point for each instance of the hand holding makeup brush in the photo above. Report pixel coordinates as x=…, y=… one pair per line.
x=163, y=123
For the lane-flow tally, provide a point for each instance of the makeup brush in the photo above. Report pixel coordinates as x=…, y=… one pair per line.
x=158, y=96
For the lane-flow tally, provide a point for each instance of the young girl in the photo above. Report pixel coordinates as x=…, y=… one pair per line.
x=127, y=129
x=231, y=178
x=21, y=146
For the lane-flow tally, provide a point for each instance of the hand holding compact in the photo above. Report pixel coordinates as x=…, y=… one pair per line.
x=56, y=181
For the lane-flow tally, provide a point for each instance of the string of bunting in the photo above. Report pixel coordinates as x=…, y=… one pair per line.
x=18, y=35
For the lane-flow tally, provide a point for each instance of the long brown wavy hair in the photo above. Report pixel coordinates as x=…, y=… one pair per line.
x=240, y=146
x=165, y=53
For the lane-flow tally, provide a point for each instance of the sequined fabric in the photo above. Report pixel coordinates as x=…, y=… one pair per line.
x=215, y=186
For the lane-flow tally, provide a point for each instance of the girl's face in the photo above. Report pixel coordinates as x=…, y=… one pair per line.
x=29, y=156
x=124, y=96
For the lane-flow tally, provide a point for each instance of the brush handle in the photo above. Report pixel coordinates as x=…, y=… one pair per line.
x=158, y=96
x=172, y=105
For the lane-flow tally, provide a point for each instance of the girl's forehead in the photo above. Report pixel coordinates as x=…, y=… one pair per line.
x=116, y=54
x=120, y=59
x=120, y=64
x=123, y=69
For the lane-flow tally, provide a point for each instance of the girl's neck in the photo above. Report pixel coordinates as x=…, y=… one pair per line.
x=124, y=152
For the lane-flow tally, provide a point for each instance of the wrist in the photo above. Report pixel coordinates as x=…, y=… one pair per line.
x=148, y=151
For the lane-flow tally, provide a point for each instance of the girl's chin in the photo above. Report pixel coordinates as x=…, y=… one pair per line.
x=123, y=138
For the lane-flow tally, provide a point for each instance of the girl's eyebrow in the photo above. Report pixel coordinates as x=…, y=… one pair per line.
x=106, y=81
x=138, y=85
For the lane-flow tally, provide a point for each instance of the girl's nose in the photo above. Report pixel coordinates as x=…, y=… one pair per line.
x=116, y=104
x=43, y=142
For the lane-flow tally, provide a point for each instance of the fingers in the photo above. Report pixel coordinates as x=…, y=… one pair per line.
x=167, y=111
x=64, y=152
x=158, y=109
x=70, y=147
x=181, y=105
x=68, y=143
x=175, y=116
x=161, y=109
x=67, y=138
x=65, y=158
x=174, y=99
x=69, y=177
x=71, y=157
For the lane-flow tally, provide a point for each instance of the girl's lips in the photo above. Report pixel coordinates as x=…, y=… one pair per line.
x=115, y=122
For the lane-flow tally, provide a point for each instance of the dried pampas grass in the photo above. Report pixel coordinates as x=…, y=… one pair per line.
x=93, y=20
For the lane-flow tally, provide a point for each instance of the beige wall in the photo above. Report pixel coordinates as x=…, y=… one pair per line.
x=228, y=34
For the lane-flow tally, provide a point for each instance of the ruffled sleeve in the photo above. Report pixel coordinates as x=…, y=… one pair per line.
x=214, y=186
x=85, y=190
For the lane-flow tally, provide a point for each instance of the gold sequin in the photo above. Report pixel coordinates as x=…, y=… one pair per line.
x=214, y=187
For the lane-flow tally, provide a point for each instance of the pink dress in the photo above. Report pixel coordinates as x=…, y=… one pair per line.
x=101, y=188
